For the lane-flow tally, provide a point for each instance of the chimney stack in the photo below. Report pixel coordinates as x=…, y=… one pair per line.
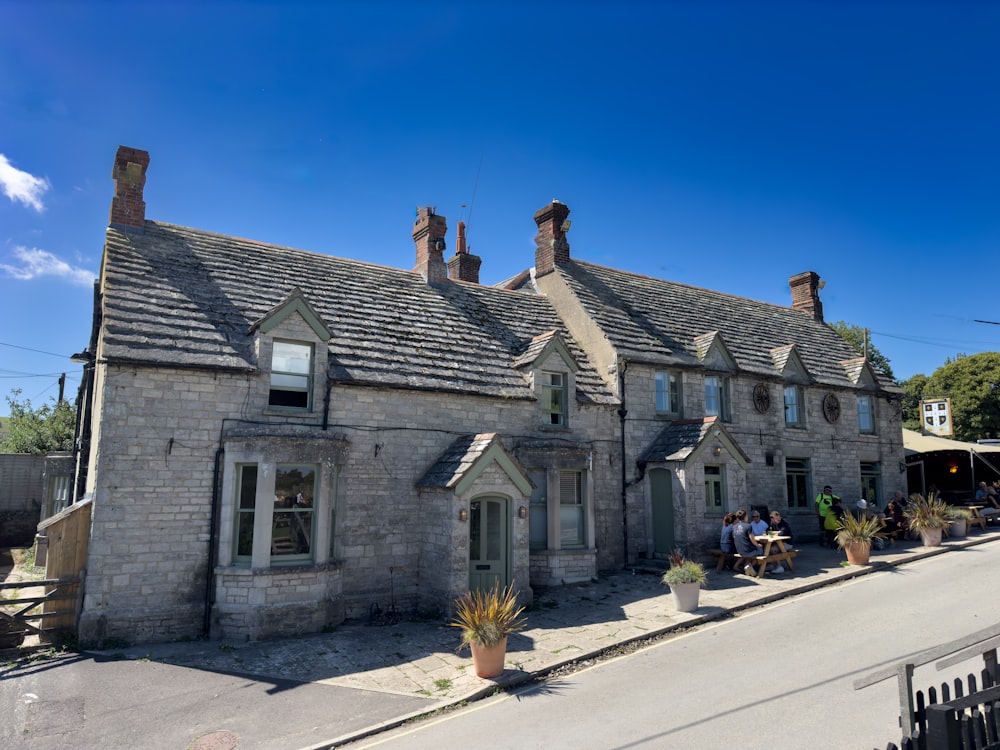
x=429, y=231
x=463, y=266
x=805, y=294
x=551, y=245
x=128, y=210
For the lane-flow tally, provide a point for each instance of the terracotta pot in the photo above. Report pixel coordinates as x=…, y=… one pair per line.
x=488, y=660
x=931, y=537
x=685, y=596
x=858, y=553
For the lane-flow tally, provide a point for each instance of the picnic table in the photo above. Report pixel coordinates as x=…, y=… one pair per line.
x=773, y=550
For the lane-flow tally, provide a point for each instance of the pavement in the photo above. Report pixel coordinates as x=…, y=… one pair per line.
x=411, y=668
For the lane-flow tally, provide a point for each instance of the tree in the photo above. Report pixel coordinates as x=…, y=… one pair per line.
x=913, y=392
x=855, y=336
x=973, y=385
x=48, y=428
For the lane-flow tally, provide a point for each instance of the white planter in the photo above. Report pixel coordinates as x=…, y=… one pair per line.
x=959, y=528
x=685, y=596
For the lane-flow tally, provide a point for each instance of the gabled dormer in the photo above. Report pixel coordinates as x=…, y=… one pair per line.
x=290, y=341
x=714, y=354
x=793, y=371
x=550, y=367
x=860, y=372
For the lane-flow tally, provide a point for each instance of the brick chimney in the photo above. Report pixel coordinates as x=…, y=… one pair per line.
x=463, y=266
x=128, y=210
x=429, y=231
x=805, y=294
x=551, y=245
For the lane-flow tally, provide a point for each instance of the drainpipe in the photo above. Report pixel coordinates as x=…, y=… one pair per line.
x=326, y=403
x=212, y=539
x=622, y=413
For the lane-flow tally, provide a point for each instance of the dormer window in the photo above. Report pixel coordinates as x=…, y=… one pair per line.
x=291, y=375
x=866, y=414
x=554, y=398
x=717, y=397
x=668, y=393
x=794, y=407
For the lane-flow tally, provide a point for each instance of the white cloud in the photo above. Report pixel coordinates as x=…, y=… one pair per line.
x=21, y=186
x=34, y=263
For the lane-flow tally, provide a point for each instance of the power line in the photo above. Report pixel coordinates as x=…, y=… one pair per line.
x=37, y=351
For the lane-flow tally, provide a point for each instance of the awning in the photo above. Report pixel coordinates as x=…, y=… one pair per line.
x=914, y=442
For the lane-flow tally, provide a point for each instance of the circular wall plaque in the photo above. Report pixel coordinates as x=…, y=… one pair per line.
x=761, y=398
x=831, y=408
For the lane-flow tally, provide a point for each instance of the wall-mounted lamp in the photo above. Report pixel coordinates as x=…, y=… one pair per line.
x=522, y=512
x=463, y=514
x=717, y=450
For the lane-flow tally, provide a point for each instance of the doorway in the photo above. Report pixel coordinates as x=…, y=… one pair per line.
x=489, y=535
x=662, y=495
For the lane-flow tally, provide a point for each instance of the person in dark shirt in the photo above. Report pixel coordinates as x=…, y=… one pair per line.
x=726, y=543
x=780, y=526
x=745, y=541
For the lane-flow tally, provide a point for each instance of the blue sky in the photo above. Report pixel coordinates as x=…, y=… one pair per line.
x=723, y=145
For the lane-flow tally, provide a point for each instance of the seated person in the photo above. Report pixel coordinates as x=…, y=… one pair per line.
x=894, y=522
x=987, y=496
x=726, y=543
x=746, y=543
x=780, y=526
x=758, y=525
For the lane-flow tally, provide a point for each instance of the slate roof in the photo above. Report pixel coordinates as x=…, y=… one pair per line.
x=677, y=440
x=655, y=321
x=187, y=298
x=460, y=456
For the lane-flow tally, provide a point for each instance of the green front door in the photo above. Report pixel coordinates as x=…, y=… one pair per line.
x=661, y=489
x=488, y=542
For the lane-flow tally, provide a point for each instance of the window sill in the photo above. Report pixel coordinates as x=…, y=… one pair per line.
x=236, y=569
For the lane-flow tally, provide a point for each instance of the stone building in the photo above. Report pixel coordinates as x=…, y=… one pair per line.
x=276, y=440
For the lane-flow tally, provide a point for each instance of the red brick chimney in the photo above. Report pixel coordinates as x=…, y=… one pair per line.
x=128, y=210
x=429, y=231
x=551, y=245
x=463, y=266
x=805, y=294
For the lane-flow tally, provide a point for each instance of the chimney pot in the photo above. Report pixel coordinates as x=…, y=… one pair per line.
x=463, y=265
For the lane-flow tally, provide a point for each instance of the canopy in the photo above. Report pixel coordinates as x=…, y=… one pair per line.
x=914, y=442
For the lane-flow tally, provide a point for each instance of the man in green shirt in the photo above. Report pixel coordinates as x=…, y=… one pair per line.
x=823, y=502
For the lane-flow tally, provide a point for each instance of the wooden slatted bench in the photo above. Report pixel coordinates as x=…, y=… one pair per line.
x=760, y=562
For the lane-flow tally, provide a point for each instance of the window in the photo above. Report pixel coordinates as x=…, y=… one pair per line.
x=285, y=514
x=291, y=375
x=668, y=392
x=866, y=414
x=571, y=509
x=717, y=397
x=797, y=482
x=554, y=398
x=538, y=514
x=794, y=407
x=870, y=481
x=715, y=496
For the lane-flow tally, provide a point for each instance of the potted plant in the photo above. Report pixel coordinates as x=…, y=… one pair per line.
x=958, y=518
x=685, y=578
x=486, y=618
x=928, y=516
x=855, y=535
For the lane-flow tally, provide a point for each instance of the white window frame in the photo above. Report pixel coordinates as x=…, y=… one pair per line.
x=866, y=414
x=798, y=476
x=717, y=390
x=289, y=381
x=796, y=406
x=668, y=393
x=555, y=386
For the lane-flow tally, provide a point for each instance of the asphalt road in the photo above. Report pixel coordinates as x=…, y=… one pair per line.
x=780, y=676
x=76, y=702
